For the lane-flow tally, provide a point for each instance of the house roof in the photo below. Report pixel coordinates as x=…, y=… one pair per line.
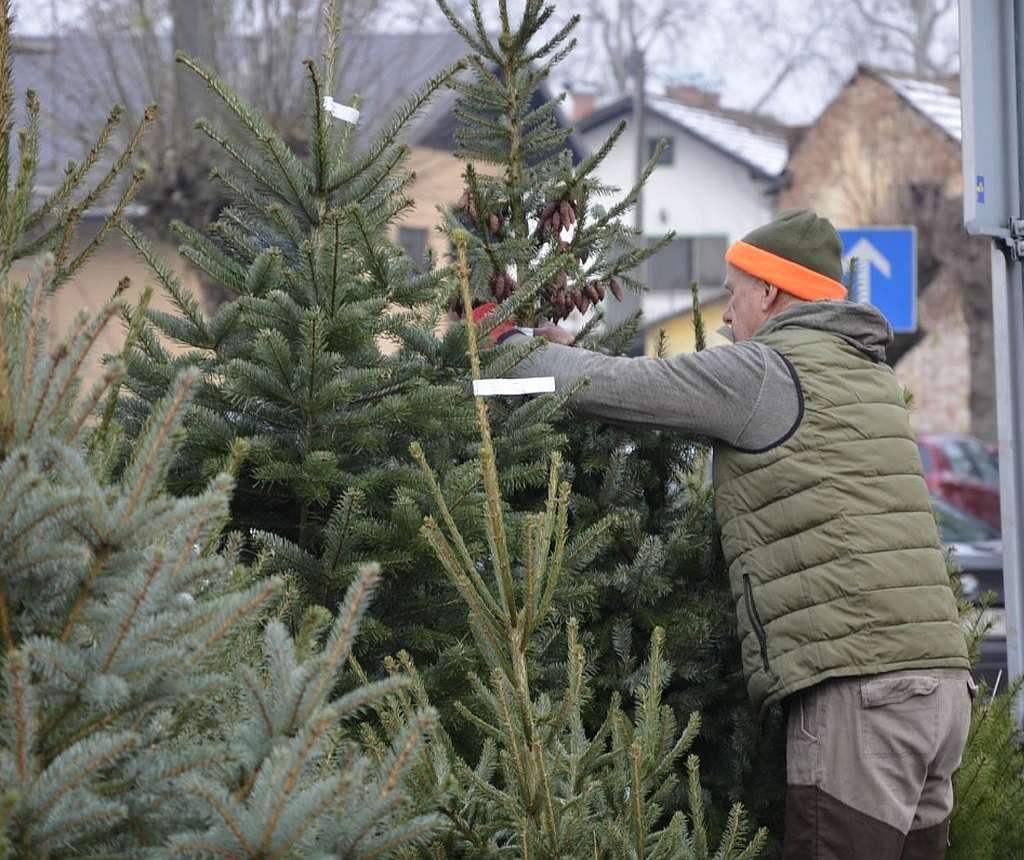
x=411, y=60
x=937, y=99
x=382, y=69
x=755, y=141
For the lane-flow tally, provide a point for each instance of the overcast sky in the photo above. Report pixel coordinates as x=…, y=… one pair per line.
x=736, y=63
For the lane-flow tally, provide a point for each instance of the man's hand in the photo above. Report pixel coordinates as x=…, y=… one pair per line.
x=553, y=333
x=545, y=329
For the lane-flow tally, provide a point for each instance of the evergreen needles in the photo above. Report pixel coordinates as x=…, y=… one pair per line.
x=130, y=724
x=546, y=786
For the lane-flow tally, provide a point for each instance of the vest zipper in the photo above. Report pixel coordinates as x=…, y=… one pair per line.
x=755, y=622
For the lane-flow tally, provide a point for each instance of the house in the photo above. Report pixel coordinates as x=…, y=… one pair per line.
x=886, y=151
x=715, y=181
x=378, y=72
x=883, y=131
x=71, y=116
x=439, y=174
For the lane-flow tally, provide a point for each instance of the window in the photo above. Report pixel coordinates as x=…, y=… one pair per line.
x=414, y=241
x=685, y=260
x=970, y=458
x=709, y=259
x=667, y=154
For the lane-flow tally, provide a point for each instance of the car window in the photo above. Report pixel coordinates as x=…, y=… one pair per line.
x=926, y=457
x=970, y=459
x=986, y=467
x=957, y=526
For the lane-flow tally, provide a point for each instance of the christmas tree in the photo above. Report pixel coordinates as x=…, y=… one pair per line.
x=130, y=724
x=171, y=683
x=296, y=367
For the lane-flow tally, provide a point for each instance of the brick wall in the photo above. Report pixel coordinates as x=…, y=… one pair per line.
x=867, y=144
x=937, y=371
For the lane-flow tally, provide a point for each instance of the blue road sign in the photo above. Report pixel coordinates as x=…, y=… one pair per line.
x=885, y=271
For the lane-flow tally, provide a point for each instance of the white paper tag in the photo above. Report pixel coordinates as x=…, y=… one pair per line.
x=529, y=385
x=342, y=112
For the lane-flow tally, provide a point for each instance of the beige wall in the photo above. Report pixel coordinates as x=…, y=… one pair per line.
x=438, y=182
x=96, y=282
x=679, y=332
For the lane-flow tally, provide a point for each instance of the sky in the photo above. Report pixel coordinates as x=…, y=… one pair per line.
x=33, y=17
x=737, y=62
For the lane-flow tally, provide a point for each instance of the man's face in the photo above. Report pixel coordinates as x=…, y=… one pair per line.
x=748, y=305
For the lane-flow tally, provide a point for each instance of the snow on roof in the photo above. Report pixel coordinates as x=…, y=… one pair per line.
x=932, y=98
x=761, y=148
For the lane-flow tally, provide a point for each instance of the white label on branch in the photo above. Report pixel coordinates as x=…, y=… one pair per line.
x=528, y=385
x=343, y=112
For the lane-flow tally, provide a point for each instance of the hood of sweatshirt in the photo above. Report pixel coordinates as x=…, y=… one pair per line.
x=860, y=324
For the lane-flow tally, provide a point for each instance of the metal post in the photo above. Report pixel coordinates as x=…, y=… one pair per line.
x=992, y=98
x=1008, y=310
x=640, y=120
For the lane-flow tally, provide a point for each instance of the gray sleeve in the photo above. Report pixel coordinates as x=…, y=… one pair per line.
x=745, y=394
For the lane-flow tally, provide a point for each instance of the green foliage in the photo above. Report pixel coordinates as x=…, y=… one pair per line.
x=541, y=243
x=545, y=785
x=127, y=721
x=302, y=364
x=988, y=789
x=296, y=786
x=129, y=724
x=32, y=225
x=295, y=367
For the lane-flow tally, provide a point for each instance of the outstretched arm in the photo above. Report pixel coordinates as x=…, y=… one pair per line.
x=745, y=394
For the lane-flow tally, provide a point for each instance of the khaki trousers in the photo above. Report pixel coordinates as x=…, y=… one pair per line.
x=869, y=765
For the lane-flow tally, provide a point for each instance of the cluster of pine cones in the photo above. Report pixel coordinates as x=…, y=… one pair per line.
x=559, y=301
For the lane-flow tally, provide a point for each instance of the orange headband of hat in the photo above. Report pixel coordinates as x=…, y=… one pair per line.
x=788, y=276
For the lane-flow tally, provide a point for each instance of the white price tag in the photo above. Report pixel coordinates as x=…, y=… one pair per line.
x=340, y=111
x=528, y=385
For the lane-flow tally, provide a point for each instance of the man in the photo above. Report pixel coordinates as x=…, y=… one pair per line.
x=844, y=608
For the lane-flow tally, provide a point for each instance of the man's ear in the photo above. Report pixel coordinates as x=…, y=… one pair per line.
x=771, y=297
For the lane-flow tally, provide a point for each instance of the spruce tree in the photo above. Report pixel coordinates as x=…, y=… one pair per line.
x=546, y=239
x=325, y=362
x=296, y=367
x=328, y=363
x=546, y=784
x=129, y=723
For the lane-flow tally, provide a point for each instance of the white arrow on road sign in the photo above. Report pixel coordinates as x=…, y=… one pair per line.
x=867, y=256
x=885, y=272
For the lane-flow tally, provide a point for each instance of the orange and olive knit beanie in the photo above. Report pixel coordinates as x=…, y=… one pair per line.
x=799, y=252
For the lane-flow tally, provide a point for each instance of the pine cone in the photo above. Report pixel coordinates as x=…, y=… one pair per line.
x=502, y=285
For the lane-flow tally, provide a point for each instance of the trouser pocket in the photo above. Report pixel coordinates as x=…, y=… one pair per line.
x=898, y=716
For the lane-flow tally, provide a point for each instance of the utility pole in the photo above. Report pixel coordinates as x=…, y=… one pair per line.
x=638, y=64
x=992, y=102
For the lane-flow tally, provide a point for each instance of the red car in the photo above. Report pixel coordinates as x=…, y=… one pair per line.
x=962, y=470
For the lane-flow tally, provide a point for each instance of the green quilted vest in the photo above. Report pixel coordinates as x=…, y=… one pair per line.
x=834, y=559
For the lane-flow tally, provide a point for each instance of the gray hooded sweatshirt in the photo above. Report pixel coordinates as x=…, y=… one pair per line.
x=743, y=394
